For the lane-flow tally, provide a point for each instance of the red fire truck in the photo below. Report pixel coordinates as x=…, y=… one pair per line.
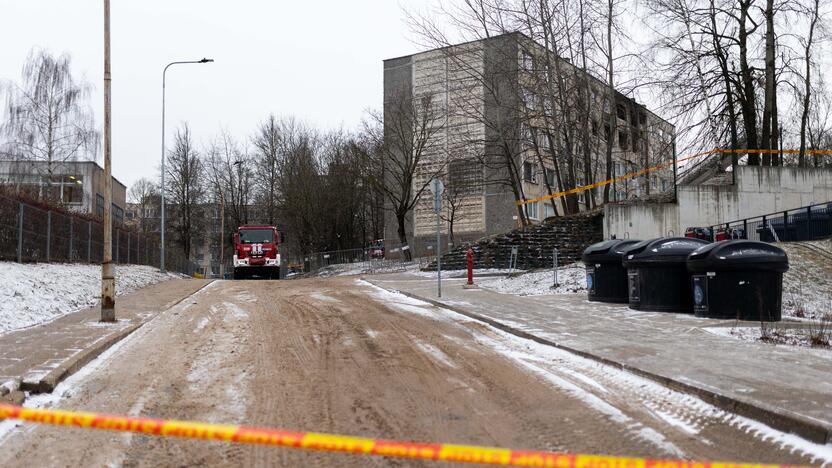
x=256, y=252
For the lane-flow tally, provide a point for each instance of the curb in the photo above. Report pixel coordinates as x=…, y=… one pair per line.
x=72, y=365
x=814, y=431
x=47, y=383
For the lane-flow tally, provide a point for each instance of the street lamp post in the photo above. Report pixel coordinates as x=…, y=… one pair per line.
x=162, y=188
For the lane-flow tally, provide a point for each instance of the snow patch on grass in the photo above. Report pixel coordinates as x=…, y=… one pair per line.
x=571, y=280
x=35, y=293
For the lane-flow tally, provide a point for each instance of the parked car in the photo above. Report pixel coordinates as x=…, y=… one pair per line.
x=377, y=248
x=724, y=233
x=704, y=233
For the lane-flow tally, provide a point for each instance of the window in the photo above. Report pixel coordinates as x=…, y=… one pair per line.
x=550, y=176
x=531, y=210
x=548, y=211
x=118, y=214
x=642, y=118
x=621, y=111
x=529, y=100
x=636, y=141
x=619, y=169
x=623, y=140
x=526, y=134
x=607, y=132
x=528, y=61
x=594, y=127
x=581, y=195
x=99, y=205
x=529, y=172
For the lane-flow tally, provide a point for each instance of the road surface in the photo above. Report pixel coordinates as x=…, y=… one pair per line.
x=340, y=355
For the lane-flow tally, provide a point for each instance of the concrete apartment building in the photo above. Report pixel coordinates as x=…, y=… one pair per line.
x=78, y=185
x=485, y=102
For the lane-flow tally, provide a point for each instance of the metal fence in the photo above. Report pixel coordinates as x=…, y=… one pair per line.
x=367, y=260
x=801, y=224
x=32, y=234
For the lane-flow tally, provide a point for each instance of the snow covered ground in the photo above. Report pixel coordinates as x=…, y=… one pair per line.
x=807, y=288
x=36, y=293
x=571, y=279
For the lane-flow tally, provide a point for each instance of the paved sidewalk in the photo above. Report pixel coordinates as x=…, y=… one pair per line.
x=34, y=353
x=787, y=387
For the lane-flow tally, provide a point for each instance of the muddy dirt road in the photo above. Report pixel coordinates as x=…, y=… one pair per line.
x=340, y=355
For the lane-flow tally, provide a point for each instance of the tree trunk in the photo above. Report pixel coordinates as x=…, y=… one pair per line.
x=612, y=122
x=769, y=136
x=807, y=86
x=400, y=219
x=747, y=90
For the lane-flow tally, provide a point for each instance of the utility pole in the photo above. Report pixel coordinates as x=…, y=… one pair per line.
x=222, y=235
x=108, y=280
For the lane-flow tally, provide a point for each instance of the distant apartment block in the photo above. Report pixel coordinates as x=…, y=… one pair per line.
x=485, y=100
x=77, y=185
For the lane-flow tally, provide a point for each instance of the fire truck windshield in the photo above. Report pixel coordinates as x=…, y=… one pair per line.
x=256, y=236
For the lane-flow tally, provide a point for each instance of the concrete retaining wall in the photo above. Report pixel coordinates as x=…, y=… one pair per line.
x=758, y=191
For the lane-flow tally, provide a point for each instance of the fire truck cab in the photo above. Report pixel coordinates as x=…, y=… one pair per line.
x=256, y=252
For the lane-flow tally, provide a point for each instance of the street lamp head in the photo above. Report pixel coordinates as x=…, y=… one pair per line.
x=206, y=60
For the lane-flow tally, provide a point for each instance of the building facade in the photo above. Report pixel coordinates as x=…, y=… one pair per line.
x=77, y=185
x=496, y=118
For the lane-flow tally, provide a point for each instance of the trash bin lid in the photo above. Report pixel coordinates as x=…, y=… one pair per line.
x=664, y=251
x=609, y=251
x=739, y=254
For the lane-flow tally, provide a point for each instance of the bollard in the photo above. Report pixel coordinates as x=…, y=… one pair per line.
x=555, y=267
x=470, y=256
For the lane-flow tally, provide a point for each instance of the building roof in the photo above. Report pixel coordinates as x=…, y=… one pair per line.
x=62, y=163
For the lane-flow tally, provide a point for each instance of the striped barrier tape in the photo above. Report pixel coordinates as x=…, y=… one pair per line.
x=346, y=444
x=632, y=175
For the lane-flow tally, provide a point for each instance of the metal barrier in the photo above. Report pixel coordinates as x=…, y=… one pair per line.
x=33, y=234
x=808, y=223
x=395, y=260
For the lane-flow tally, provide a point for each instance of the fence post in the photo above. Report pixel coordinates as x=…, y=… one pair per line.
x=48, y=235
x=785, y=226
x=809, y=229
x=71, y=228
x=89, y=241
x=765, y=231
x=20, y=235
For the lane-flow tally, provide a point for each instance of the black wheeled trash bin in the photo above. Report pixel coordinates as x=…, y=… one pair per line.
x=657, y=274
x=738, y=279
x=606, y=278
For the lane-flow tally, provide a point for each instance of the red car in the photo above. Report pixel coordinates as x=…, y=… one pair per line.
x=377, y=248
x=703, y=233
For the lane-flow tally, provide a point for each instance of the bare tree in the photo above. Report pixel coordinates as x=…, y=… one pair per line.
x=807, y=43
x=48, y=118
x=185, y=189
x=144, y=194
x=403, y=133
x=268, y=145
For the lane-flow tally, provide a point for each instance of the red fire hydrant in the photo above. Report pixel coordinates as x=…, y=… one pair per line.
x=470, y=266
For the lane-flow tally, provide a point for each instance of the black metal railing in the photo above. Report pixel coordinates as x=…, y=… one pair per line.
x=807, y=223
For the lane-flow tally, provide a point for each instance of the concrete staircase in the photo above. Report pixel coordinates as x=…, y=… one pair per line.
x=569, y=234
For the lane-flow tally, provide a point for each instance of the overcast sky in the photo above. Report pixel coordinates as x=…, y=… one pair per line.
x=318, y=60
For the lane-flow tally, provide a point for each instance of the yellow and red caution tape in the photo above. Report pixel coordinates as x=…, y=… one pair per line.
x=641, y=172
x=345, y=444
